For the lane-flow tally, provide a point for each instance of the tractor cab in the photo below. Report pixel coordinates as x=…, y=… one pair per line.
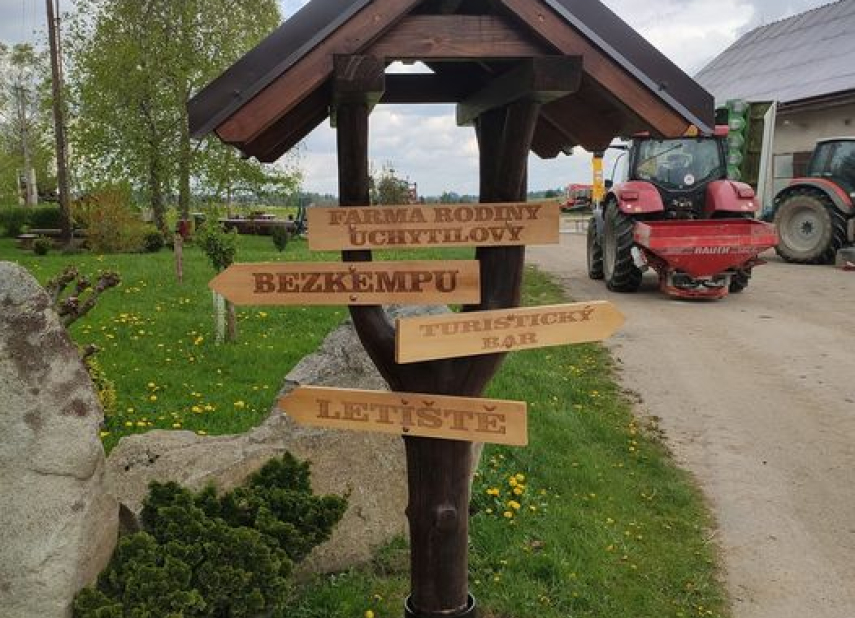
x=834, y=160
x=680, y=170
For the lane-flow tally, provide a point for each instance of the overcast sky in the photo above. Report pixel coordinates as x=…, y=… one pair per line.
x=424, y=143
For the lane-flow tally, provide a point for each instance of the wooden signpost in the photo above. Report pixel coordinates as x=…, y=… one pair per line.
x=315, y=283
x=410, y=414
x=485, y=332
x=440, y=225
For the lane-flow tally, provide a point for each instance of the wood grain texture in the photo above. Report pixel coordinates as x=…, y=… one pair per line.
x=542, y=79
x=312, y=70
x=456, y=37
x=308, y=283
x=554, y=30
x=442, y=225
x=410, y=414
x=470, y=334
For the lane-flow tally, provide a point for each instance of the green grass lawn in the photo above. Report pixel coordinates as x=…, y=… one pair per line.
x=158, y=345
x=591, y=519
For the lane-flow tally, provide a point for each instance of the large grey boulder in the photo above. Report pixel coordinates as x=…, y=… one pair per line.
x=58, y=522
x=371, y=468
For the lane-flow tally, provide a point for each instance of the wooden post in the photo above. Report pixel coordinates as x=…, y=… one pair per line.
x=439, y=471
x=178, y=249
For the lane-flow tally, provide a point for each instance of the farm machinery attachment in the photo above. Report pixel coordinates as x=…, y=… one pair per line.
x=672, y=209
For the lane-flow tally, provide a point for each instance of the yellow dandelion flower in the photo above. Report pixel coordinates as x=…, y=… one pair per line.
x=369, y=613
x=512, y=481
x=240, y=405
x=196, y=409
x=520, y=478
x=508, y=514
x=493, y=491
x=518, y=490
x=514, y=505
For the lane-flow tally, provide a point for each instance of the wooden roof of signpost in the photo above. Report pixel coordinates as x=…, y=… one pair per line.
x=280, y=91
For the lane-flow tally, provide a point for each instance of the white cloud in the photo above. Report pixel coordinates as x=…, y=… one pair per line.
x=424, y=143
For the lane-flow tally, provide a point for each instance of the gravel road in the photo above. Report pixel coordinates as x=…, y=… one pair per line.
x=756, y=396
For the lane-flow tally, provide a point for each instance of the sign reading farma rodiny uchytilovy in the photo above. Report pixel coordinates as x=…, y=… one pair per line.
x=421, y=338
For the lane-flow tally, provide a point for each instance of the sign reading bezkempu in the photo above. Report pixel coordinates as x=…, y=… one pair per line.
x=487, y=332
x=358, y=283
x=430, y=416
x=457, y=225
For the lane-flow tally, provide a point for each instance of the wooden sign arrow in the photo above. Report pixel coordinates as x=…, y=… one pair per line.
x=410, y=414
x=487, y=332
x=443, y=225
x=358, y=283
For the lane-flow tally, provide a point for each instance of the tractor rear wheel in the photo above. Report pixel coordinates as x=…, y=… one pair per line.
x=619, y=269
x=739, y=281
x=595, y=252
x=810, y=227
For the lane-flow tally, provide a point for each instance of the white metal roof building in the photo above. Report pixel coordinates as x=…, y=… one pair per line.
x=806, y=63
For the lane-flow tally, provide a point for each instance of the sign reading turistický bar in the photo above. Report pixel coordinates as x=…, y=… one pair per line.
x=458, y=225
x=358, y=283
x=430, y=416
x=488, y=332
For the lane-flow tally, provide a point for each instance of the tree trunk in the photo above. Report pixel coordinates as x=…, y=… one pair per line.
x=155, y=188
x=184, y=164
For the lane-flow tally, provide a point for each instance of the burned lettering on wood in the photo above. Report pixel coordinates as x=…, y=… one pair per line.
x=354, y=284
x=456, y=225
x=454, y=418
x=469, y=334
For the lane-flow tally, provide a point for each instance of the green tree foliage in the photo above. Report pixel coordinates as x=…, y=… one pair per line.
x=220, y=246
x=25, y=129
x=387, y=188
x=134, y=66
x=208, y=556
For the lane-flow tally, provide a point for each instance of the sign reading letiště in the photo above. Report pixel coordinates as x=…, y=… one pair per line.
x=458, y=225
x=358, y=283
x=411, y=414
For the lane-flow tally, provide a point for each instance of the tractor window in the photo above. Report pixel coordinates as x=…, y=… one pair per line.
x=836, y=161
x=679, y=163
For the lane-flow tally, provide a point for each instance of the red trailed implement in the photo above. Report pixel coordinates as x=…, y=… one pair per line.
x=702, y=258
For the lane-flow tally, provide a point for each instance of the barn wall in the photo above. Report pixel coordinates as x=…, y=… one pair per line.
x=799, y=131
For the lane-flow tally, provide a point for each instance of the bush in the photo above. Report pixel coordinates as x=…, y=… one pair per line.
x=42, y=245
x=46, y=218
x=280, y=237
x=111, y=224
x=220, y=246
x=200, y=555
x=104, y=387
x=13, y=219
x=153, y=240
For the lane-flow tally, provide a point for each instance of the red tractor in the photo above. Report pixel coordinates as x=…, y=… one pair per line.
x=815, y=215
x=670, y=207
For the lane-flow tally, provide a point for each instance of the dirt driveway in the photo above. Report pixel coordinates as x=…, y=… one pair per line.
x=756, y=395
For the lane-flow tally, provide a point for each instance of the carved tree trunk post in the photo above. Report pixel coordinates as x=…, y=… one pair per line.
x=438, y=470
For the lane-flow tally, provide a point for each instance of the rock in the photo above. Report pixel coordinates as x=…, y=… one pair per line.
x=371, y=468
x=58, y=522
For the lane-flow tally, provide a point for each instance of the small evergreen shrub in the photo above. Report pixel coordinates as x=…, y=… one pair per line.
x=153, y=240
x=208, y=556
x=220, y=246
x=280, y=238
x=42, y=245
x=13, y=219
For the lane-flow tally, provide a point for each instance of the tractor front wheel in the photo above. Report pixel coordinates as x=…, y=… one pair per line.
x=619, y=269
x=810, y=227
x=595, y=251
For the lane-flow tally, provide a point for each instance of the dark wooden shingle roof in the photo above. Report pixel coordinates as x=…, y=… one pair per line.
x=278, y=92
